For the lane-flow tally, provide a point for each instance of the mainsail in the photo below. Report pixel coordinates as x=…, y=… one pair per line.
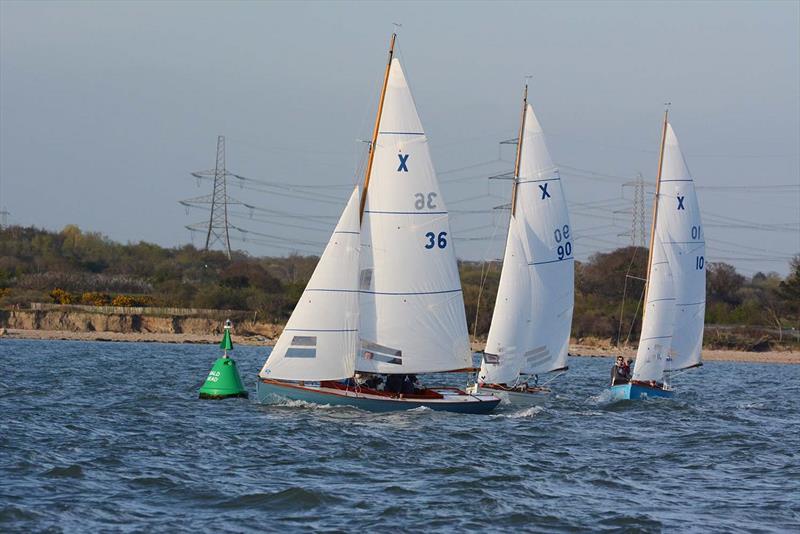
x=411, y=305
x=532, y=318
x=548, y=243
x=320, y=340
x=685, y=249
x=672, y=327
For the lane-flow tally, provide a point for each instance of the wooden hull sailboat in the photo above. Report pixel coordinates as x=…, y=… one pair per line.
x=339, y=394
x=385, y=300
x=530, y=329
x=674, y=312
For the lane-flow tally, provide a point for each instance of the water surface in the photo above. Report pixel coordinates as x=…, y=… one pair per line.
x=111, y=437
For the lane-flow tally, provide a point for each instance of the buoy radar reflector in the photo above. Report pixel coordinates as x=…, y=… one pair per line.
x=223, y=380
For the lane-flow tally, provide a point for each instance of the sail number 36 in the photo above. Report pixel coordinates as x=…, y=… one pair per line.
x=434, y=240
x=421, y=200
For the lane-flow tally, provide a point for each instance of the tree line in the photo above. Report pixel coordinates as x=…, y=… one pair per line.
x=72, y=266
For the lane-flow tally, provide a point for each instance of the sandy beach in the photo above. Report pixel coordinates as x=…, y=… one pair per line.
x=782, y=357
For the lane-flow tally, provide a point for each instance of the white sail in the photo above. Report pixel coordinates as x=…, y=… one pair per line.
x=510, y=331
x=412, y=310
x=320, y=340
x=684, y=244
x=656, y=337
x=548, y=242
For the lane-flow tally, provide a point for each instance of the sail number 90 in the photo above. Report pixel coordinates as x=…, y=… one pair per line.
x=562, y=234
x=434, y=240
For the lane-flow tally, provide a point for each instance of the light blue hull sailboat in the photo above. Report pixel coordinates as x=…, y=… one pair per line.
x=674, y=297
x=636, y=391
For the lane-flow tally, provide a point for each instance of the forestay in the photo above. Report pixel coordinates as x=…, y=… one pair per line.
x=684, y=244
x=548, y=243
x=412, y=308
x=320, y=340
x=510, y=331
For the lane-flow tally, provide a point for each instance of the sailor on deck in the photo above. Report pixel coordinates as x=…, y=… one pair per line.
x=620, y=373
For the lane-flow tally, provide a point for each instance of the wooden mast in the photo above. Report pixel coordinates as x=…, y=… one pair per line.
x=372, y=144
x=655, y=212
x=519, y=151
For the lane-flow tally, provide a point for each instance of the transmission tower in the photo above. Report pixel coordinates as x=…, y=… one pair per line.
x=216, y=229
x=637, y=212
x=4, y=217
x=637, y=221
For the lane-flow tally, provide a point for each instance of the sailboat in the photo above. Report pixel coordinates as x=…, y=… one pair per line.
x=385, y=298
x=530, y=329
x=672, y=327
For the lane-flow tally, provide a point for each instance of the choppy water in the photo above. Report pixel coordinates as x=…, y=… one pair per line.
x=105, y=436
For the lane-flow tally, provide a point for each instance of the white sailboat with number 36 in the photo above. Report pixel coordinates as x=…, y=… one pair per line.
x=385, y=300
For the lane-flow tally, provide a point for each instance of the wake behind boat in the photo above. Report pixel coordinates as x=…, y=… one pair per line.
x=530, y=329
x=674, y=314
x=385, y=300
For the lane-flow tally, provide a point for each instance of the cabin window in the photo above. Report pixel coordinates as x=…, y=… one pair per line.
x=365, y=281
x=302, y=347
x=374, y=352
x=493, y=359
x=537, y=356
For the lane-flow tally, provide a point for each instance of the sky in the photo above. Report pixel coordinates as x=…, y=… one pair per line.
x=106, y=108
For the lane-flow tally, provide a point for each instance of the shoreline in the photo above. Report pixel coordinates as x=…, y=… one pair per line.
x=588, y=351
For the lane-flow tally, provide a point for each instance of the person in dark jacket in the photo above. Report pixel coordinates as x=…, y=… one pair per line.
x=394, y=383
x=409, y=384
x=620, y=373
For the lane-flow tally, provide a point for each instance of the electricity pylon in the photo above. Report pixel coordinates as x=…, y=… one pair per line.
x=217, y=227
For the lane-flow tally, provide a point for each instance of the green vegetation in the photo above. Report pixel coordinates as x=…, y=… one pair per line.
x=75, y=267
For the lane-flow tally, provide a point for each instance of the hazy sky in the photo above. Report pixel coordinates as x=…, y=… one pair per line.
x=106, y=107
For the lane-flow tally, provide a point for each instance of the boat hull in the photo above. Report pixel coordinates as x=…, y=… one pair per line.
x=271, y=390
x=637, y=391
x=517, y=398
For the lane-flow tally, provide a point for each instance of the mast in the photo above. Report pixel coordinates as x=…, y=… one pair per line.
x=655, y=211
x=519, y=151
x=368, y=171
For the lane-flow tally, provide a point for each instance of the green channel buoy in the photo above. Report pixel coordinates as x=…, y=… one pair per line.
x=223, y=380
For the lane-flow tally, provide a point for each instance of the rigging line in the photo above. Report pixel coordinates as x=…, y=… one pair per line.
x=635, y=314
x=624, y=292
x=483, y=281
